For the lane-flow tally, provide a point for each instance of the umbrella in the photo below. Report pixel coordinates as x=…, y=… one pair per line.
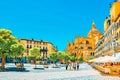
x=116, y=55
x=117, y=60
x=108, y=59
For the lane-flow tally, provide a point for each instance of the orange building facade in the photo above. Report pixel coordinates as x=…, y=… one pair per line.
x=44, y=46
x=85, y=46
x=111, y=41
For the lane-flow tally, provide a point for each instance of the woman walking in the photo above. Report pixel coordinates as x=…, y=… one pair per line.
x=74, y=66
x=77, y=65
x=67, y=66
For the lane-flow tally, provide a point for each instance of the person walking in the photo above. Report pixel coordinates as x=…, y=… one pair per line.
x=70, y=65
x=74, y=66
x=77, y=65
x=67, y=66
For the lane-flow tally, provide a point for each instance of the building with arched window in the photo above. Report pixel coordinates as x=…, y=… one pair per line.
x=85, y=46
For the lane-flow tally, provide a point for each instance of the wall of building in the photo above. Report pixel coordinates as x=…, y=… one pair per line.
x=44, y=46
x=84, y=46
x=111, y=31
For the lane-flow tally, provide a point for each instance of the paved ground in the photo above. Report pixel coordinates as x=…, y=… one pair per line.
x=86, y=72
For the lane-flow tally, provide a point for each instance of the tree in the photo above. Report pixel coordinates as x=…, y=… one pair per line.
x=17, y=50
x=80, y=59
x=91, y=57
x=66, y=57
x=6, y=41
x=53, y=56
x=73, y=58
x=34, y=53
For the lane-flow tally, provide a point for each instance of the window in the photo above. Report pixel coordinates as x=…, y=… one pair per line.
x=81, y=47
x=46, y=48
x=108, y=22
x=27, y=46
x=75, y=47
x=92, y=53
x=43, y=43
x=30, y=46
x=89, y=47
x=117, y=35
x=87, y=42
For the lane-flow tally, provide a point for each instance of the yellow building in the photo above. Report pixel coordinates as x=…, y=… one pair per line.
x=44, y=46
x=112, y=30
x=117, y=21
x=99, y=48
x=84, y=46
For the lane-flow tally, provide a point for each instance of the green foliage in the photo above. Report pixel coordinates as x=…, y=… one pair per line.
x=30, y=57
x=6, y=41
x=34, y=52
x=17, y=49
x=73, y=58
x=59, y=55
x=53, y=56
x=80, y=59
x=91, y=57
x=66, y=56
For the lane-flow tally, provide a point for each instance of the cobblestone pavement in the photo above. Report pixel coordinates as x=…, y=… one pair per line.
x=85, y=72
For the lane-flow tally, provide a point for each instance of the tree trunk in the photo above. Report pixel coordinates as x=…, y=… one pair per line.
x=3, y=61
x=53, y=64
x=35, y=65
x=35, y=62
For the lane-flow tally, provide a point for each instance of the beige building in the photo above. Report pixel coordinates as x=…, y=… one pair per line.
x=44, y=46
x=112, y=30
x=110, y=43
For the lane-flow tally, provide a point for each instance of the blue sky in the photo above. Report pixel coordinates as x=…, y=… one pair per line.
x=57, y=21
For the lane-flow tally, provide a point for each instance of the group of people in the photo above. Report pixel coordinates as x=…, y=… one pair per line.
x=74, y=66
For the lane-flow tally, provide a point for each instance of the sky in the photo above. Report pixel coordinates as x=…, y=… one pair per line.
x=56, y=21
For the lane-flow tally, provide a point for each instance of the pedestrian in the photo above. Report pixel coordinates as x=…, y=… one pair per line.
x=74, y=66
x=77, y=65
x=70, y=66
x=67, y=66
